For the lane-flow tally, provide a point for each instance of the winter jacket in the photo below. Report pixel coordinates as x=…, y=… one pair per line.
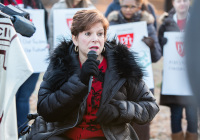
x=116, y=17
x=62, y=96
x=61, y=4
x=170, y=25
x=115, y=6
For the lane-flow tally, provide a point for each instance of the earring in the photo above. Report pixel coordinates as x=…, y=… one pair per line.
x=76, y=48
x=104, y=49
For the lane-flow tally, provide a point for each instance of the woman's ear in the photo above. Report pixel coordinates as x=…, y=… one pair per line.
x=75, y=40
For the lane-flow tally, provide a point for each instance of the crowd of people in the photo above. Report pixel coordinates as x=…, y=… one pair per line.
x=119, y=105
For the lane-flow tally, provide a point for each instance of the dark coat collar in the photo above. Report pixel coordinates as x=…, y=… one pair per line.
x=121, y=62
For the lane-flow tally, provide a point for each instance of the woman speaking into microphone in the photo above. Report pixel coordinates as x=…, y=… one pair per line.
x=117, y=97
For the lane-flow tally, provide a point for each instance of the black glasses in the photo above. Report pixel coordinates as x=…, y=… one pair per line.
x=128, y=6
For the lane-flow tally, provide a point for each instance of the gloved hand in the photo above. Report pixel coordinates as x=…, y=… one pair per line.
x=149, y=42
x=39, y=130
x=107, y=114
x=89, y=68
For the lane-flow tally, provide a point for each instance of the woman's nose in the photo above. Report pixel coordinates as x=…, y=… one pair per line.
x=94, y=37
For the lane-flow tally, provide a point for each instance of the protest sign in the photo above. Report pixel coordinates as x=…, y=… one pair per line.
x=131, y=34
x=36, y=47
x=175, y=80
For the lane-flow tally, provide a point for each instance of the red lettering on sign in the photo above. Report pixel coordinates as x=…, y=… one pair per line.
x=4, y=53
x=126, y=39
x=69, y=22
x=179, y=48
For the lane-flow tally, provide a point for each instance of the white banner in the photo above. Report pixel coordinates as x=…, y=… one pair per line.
x=175, y=80
x=131, y=34
x=62, y=20
x=35, y=47
x=14, y=71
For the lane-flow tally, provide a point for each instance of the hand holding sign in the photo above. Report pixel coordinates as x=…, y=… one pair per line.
x=149, y=42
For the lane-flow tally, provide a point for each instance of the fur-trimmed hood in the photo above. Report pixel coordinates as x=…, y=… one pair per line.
x=140, y=16
x=119, y=59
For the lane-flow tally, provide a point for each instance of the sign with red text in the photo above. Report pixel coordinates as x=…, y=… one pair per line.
x=14, y=71
x=62, y=21
x=126, y=39
x=69, y=22
x=36, y=47
x=179, y=48
x=131, y=35
x=175, y=80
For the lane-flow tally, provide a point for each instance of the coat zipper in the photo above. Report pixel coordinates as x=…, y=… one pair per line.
x=102, y=126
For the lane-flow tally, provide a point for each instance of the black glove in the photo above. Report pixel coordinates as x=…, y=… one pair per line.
x=149, y=42
x=39, y=130
x=89, y=68
x=107, y=114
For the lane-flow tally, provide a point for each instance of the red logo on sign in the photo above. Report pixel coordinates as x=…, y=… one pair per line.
x=69, y=22
x=126, y=39
x=179, y=47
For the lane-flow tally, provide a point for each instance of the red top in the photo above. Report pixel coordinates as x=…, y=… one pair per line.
x=88, y=128
x=181, y=24
x=18, y=2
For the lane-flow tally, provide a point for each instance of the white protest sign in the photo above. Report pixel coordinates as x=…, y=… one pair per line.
x=175, y=81
x=35, y=47
x=62, y=20
x=131, y=34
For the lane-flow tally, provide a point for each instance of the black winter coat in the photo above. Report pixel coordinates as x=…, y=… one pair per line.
x=169, y=25
x=116, y=17
x=62, y=96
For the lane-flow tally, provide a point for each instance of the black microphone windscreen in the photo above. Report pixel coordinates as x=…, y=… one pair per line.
x=92, y=54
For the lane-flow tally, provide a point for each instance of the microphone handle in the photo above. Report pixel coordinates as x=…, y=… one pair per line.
x=91, y=54
x=90, y=84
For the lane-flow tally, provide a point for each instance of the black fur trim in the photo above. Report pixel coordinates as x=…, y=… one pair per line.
x=124, y=62
x=120, y=60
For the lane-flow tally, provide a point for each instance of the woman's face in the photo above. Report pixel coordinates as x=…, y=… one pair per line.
x=92, y=39
x=181, y=6
x=129, y=8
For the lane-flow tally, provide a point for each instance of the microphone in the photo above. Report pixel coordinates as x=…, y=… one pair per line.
x=19, y=18
x=92, y=55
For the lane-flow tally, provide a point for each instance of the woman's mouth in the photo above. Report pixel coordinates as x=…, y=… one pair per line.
x=94, y=48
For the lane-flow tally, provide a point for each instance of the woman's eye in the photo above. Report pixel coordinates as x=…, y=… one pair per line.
x=87, y=33
x=100, y=34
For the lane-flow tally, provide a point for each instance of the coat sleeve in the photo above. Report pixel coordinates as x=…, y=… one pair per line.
x=54, y=105
x=161, y=36
x=140, y=106
x=156, y=52
x=109, y=10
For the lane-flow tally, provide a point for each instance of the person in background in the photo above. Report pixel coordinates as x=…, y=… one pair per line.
x=115, y=6
x=131, y=12
x=24, y=92
x=117, y=97
x=64, y=4
x=168, y=5
x=176, y=22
